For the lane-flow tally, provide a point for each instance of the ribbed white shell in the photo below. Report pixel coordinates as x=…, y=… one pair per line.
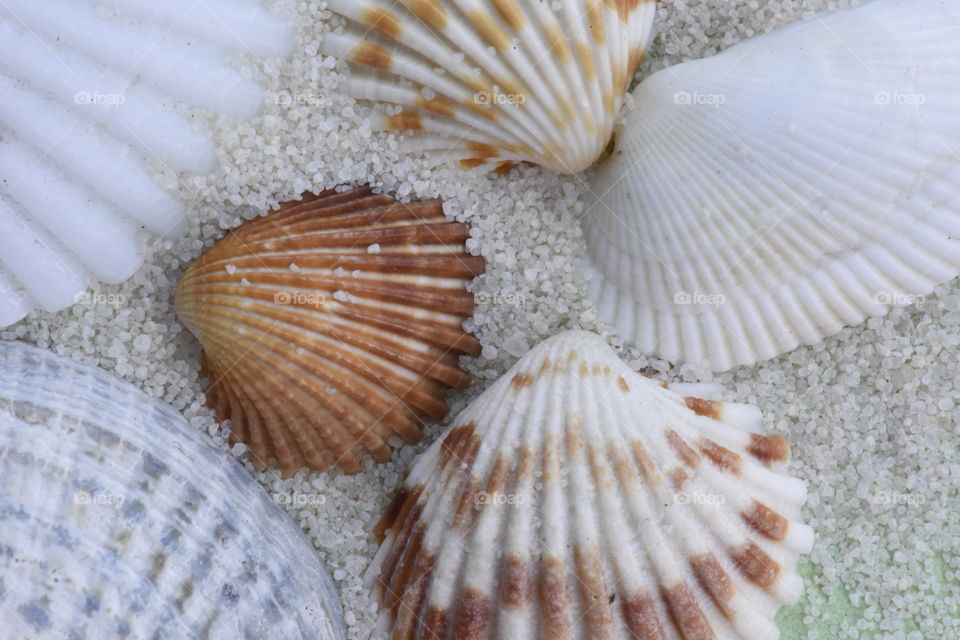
x=117, y=519
x=492, y=83
x=795, y=184
x=578, y=499
x=89, y=93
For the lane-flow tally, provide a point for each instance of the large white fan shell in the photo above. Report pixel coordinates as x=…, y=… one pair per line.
x=89, y=93
x=795, y=184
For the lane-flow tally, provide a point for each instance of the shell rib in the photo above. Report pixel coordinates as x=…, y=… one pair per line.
x=119, y=520
x=332, y=324
x=492, y=83
x=90, y=100
x=577, y=499
x=795, y=184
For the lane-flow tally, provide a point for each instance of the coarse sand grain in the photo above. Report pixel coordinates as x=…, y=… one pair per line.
x=871, y=412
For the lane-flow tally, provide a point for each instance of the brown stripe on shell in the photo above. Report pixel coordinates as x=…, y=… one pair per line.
x=517, y=582
x=645, y=463
x=766, y=521
x=400, y=564
x=756, y=566
x=431, y=12
x=492, y=32
x=404, y=121
x=435, y=624
x=511, y=13
x=721, y=456
x=685, y=613
x=382, y=20
x=625, y=7
x=456, y=444
x=554, y=595
x=474, y=615
x=595, y=20
x=708, y=408
x=686, y=454
x=440, y=105
x=372, y=55
x=415, y=595
x=623, y=385
x=594, y=594
x=768, y=449
x=402, y=502
x=715, y=581
x=678, y=478
x=642, y=618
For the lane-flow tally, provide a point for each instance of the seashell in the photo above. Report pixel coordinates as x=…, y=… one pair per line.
x=577, y=499
x=90, y=100
x=795, y=184
x=118, y=519
x=499, y=82
x=331, y=325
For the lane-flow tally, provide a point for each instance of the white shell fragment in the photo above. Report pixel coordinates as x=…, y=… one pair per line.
x=578, y=499
x=119, y=520
x=795, y=184
x=493, y=83
x=92, y=100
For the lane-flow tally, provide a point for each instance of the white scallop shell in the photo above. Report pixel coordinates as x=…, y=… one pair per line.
x=492, y=83
x=90, y=94
x=795, y=184
x=117, y=519
x=577, y=499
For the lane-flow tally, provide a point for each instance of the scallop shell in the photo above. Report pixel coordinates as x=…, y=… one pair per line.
x=795, y=184
x=577, y=499
x=493, y=83
x=91, y=99
x=331, y=325
x=117, y=519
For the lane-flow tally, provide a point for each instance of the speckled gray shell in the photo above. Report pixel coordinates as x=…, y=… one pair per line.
x=117, y=519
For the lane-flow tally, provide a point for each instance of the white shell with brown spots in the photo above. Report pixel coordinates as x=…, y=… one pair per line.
x=795, y=184
x=578, y=499
x=495, y=82
x=332, y=325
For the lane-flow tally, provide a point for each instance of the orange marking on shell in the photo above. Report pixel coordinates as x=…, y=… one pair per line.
x=372, y=55
x=522, y=381
x=622, y=383
x=642, y=617
x=645, y=463
x=482, y=150
x=708, y=408
x=768, y=449
x=511, y=13
x=682, y=449
x=721, y=456
x=624, y=7
x=594, y=592
x=457, y=444
x=473, y=615
x=714, y=581
x=517, y=582
x=557, y=41
x=766, y=521
x=439, y=105
x=432, y=12
x=434, y=623
x=595, y=20
x=755, y=565
x=686, y=614
x=678, y=477
x=472, y=163
x=585, y=58
x=404, y=121
x=555, y=598
x=492, y=32
x=382, y=21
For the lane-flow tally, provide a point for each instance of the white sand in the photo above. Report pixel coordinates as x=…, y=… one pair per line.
x=871, y=412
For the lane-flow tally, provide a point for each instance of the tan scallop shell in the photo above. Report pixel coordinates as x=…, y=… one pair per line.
x=578, y=499
x=493, y=83
x=331, y=325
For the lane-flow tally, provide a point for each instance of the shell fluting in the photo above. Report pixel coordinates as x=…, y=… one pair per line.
x=746, y=211
x=495, y=83
x=577, y=499
x=118, y=519
x=333, y=324
x=91, y=102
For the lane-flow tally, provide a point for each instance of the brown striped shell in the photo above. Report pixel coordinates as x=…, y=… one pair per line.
x=577, y=499
x=494, y=82
x=332, y=324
